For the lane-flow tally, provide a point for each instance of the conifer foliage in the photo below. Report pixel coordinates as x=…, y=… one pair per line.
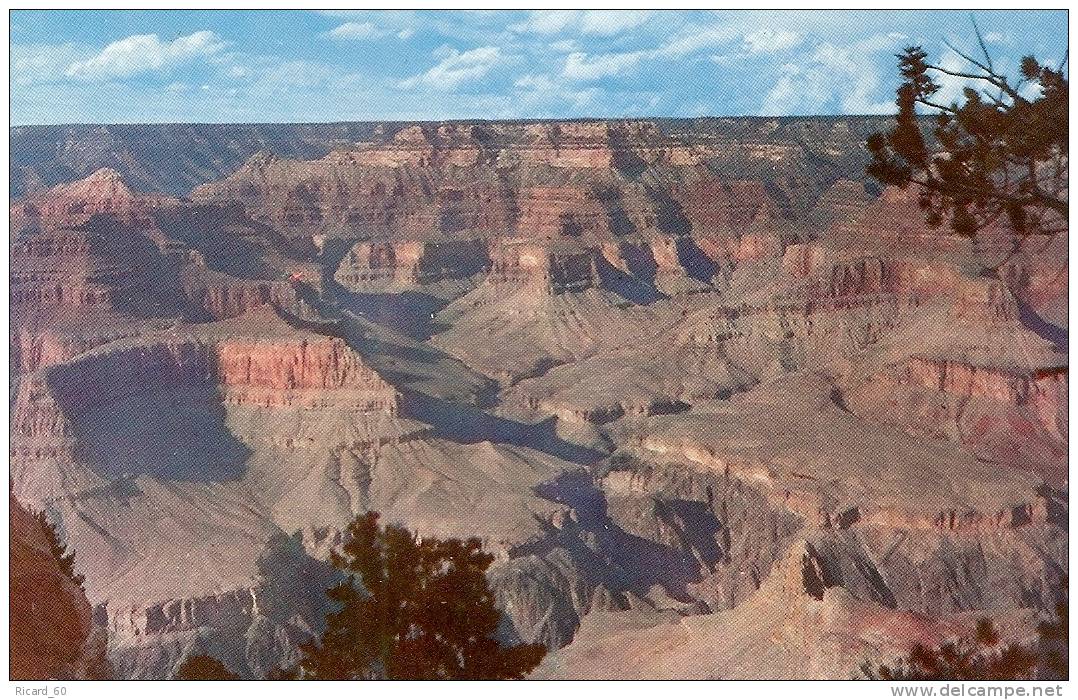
x=983, y=657
x=412, y=608
x=1002, y=152
x=64, y=559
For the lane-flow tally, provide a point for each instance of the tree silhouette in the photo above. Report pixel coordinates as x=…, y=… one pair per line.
x=50, y=627
x=981, y=657
x=64, y=559
x=204, y=668
x=412, y=608
x=1002, y=152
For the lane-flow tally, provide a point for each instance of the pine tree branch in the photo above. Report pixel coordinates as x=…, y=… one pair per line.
x=991, y=78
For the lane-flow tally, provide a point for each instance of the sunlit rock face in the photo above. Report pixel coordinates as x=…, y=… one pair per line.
x=696, y=384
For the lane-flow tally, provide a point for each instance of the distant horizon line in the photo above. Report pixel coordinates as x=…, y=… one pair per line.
x=462, y=120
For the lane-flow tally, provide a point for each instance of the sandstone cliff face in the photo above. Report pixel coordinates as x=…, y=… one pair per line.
x=411, y=262
x=62, y=416
x=1008, y=415
x=173, y=158
x=33, y=349
x=222, y=297
x=568, y=269
x=263, y=371
x=114, y=269
x=92, y=262
x=102, y=194
x=545, y=181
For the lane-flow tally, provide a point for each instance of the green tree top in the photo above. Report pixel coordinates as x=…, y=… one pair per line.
x=412, y=608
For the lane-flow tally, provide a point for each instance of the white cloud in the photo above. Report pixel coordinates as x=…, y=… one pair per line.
x=994, y=38
x=456, y=68
x=536, y=82
x=951, y=86
x=696, y=39
x=765, y=41
x=565, y=46
x=35, y=63
x=405, y=34
x=542, y=91
x=768, y=41
x=143, y=53
x=580, y=66
x=594, y=22
x=350, y=31
x=611, y=22
x=830, y=79
x=546, y=21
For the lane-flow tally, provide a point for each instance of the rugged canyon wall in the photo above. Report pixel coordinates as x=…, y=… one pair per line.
x=697, y=384
x=173, y=158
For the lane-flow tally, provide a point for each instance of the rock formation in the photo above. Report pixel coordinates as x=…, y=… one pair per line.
x=718, y=405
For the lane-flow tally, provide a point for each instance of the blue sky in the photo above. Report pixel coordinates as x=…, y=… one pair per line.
x=290, y=66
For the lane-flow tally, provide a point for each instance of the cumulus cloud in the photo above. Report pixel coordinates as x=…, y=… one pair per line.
x=456, y=68
x=952, y=87
x=145, y=53
x=580, y=66
x=536, y=82
x=830, y=79
x=351, y=31
x=761, y=43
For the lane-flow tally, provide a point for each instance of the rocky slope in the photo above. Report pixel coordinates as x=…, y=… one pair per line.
x=802, y=623
x=681, y=377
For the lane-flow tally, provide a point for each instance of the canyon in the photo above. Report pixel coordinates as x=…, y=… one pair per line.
x=719, y=404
